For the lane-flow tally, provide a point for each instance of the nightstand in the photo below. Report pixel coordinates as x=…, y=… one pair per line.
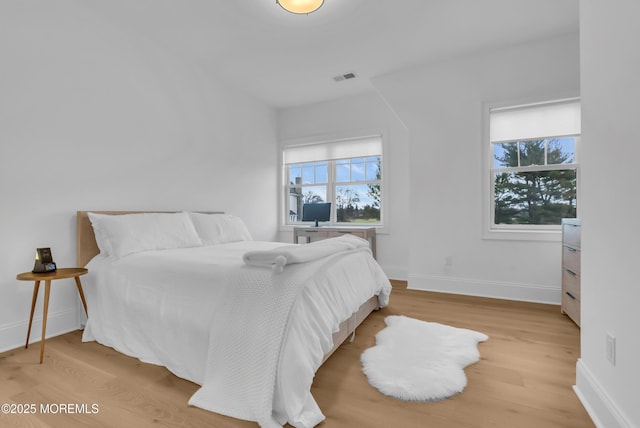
x=47, y=277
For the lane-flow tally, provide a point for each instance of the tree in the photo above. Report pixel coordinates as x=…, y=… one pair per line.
x=534, y=197
x=373, y=211
x=374, y=189
x=346, y=203
x=311, y=198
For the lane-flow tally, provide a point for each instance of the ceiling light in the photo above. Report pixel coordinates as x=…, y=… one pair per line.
x=300, y=6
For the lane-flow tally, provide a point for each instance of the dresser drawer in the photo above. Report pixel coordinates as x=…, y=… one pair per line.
x=571, y=258
x=571, y=307
x=571, y=235
x=313, y=232
x=358, y=233
x=571, y=282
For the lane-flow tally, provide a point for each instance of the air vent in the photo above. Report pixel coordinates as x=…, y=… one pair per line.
x=346, y=76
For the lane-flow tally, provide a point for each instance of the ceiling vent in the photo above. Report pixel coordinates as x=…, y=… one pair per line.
x=346, y=76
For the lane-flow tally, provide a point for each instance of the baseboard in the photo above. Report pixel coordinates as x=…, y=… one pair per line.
x=536, y=293
x=600, y=407
x=13, y=335
x=396, y=272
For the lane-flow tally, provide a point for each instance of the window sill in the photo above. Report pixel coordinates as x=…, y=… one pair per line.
x=546, y=235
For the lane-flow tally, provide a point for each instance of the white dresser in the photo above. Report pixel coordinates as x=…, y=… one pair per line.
x=571, y=268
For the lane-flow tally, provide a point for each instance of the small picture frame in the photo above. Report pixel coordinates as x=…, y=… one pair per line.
x=44, y=261
x=44, y=255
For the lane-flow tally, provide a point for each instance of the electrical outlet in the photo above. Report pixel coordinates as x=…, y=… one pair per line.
x=448, y=260
x=611, y=349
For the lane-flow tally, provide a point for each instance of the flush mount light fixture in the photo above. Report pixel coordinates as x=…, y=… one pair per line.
x=300, y=6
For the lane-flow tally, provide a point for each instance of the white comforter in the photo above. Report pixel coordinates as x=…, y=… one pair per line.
x=165, y=307
x=278, y=258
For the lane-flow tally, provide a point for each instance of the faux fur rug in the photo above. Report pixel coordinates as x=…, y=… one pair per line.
x=416, y=360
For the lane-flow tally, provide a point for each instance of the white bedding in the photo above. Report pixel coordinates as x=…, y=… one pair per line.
x=280, y=257
x=161, y=307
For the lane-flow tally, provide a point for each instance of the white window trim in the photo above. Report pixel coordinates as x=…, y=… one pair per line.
x=383, y=226
x=513, y=232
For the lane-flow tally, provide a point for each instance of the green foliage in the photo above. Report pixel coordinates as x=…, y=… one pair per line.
x=374, y=189
x=347, y=209
x=534, y=197
x=346, y=203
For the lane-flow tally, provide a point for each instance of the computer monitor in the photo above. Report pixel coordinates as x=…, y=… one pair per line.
x=316, y=212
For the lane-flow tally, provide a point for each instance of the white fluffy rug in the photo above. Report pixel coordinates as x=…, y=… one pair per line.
x=420, y=361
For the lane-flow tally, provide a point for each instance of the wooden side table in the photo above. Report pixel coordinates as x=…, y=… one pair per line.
x=47, y=277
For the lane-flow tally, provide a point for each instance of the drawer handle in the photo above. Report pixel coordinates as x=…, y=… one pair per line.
x=571, y=272
x=570, y=295
x=344, y=231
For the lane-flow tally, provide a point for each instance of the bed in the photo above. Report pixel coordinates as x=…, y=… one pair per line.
x=251, y=334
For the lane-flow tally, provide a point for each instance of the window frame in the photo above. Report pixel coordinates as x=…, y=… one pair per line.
x=332, y=183
x=524, y=232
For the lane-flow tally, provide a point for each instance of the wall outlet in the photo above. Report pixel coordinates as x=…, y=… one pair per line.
x=611, y=349
x=448, y=260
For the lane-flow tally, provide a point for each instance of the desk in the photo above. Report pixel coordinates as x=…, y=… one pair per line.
x=324, y=232
x=47, y=277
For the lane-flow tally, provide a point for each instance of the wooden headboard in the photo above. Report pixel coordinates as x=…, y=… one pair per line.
x=87, y=248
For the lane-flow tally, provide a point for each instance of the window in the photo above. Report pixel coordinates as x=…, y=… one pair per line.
x=533, y=171
x=347, y=173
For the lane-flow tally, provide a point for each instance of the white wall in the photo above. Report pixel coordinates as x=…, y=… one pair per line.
x=441, y=105
x=364, y=113
x=93, y=117
x=610, y=66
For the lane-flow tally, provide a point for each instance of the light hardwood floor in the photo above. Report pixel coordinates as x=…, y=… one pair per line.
x=524, y=378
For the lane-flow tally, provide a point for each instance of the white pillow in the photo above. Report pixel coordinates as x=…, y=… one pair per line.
x=219, y=228
x=119, y=235
x=99, y=233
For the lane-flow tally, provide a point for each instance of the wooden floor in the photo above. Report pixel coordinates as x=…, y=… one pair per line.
x=524, y=378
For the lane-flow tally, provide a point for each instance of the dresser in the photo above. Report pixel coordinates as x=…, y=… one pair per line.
x=571, y=268
x=316, y=233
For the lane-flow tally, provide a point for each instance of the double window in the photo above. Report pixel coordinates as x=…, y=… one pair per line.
x=347, y=173
x=534, y=165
